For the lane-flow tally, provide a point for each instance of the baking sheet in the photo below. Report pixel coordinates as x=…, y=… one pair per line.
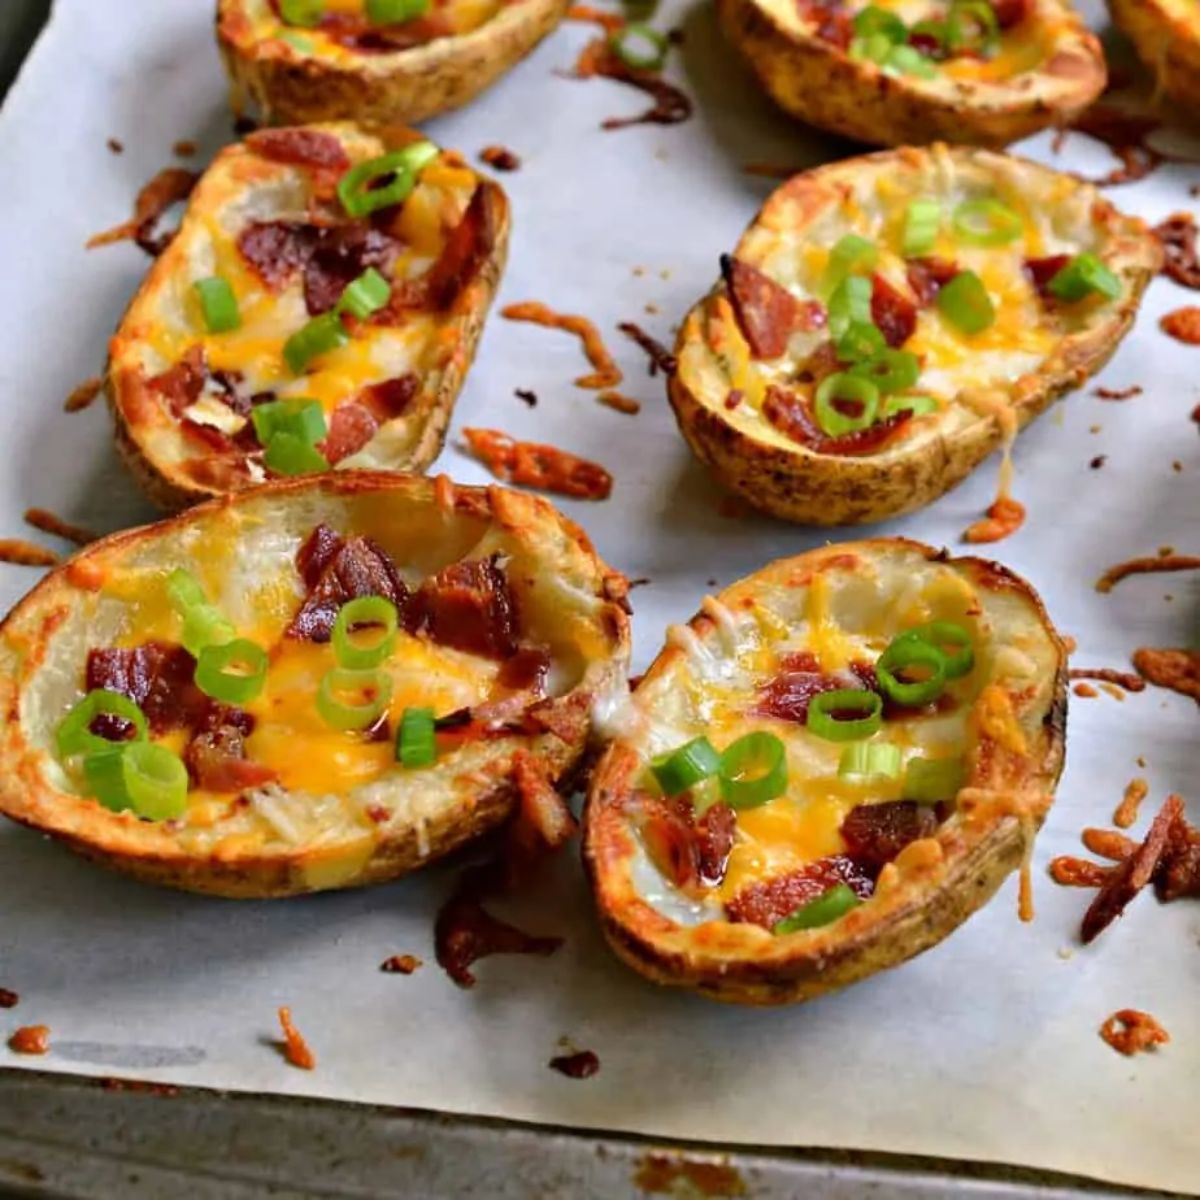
x=983, y=1048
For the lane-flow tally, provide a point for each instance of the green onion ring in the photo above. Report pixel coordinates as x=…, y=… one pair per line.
x=890, y=370
x=986, y=222
x=680, y=769
x=375, y=611
x=922, y=221
x=960, y=657
x=965, y=303
x=823, y=706
x=623, y=43
x=824, y=910
x=753, y=770
x=919, y=406
x=375, y=685
x=416, y=739
x=845, y=386
x=74, y=736
x=234, y=673
x=147, y=778
x=864, y=761
x=909, y=651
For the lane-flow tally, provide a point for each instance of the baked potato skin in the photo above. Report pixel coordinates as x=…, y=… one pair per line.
x=290, y=88
x=932, y=899
x=150, y=851
x=1169, y=44
x=818, y=83
x=796, y=484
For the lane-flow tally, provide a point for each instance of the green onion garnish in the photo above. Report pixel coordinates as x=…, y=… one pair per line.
x=905, y=652
x=890, y=370
x=311, y=340
x=922, y=220
x=233, y=673
x=144, y=777
x=307, y=13
x=986, y=222
x=203, y=623
x=288, y=455
x=851, y=256
x=362, y=189
x=934, y=29
x=873, y=19
x=850, y=304
x=376, y=612
x=972, y=25
x=908, y=60
x=680, y=769
x=395, y=12
x=366, y=295
x=824, y=910
x=301, y=417
x=416, y=744
x=74, y=735
x=874, y=48
x=954, y=642
x=919, y=406
x=297, y=41
x=1084, y=275
x=864, y=761
x=218, y=304
x=639, y=46
x=753, y=770
x=825, y=717
x=860, y=342
x=928, y=780
x=845, y=387
x=184, y=590
x=964, y=302
x=353, y=699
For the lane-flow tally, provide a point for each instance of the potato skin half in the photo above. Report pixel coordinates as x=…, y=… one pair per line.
x=798, y=484
x=290, y=88
x=820, y=84
x=1169, y=44
x=451, y=812
x=743, y=964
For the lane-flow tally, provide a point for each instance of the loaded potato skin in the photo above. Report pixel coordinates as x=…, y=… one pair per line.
x=873, y=839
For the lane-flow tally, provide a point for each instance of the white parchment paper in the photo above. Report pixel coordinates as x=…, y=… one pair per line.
x=984, y=1048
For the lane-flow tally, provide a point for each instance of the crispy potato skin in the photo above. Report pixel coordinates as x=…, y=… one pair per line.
x=799, y=485
x=720, y=960
x=408, y=86
x=483, y=796
x=1169, y=44
x=815, y=81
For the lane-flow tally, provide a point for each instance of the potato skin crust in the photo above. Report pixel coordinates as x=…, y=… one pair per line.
x=481, y=799
x=796, y=484
x=719, y=960
x=1169, y=45
x=408, y=86
x=818, y=83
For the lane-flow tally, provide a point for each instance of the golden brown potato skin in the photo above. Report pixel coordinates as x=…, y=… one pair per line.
x=815, y=81
x=407, y=87
x=930, y=900
x=1169, y=44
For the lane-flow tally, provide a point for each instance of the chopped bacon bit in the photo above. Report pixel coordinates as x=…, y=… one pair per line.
x=1177, y=234
x=276, y=250
x=500, y=157
x=1130, y=1030
x=1146, y=565
x=789, y=413
x=734, y=398
x=181, y=384
x=316, y=553
x=1070, y=871
x=583, y=1064
x=766, y=312
x=301, y=147
x=1085, y=691
x=1124, y=134
x=927, y=277
x=1010, y=12
x=295, y=1048
x=469, y=605
x=542, y=822
x=714, y=839
x=356, y=567
x=47, y=522
x=390, y=397
x=1178, y=670
x=1004, y=518
x=337, y=256
x=30, y=1039
x=1183, y=325
x=606, y=374
x=168, y=187
x=1126, y=393
x=9, y=999
x=21, y=553
x=688, y=852
x=468, y=246
x=831, y=19
x=769, y=902
x=671, y=105
x=1042, y=270
x=1126, y=679
x=83, y=395
x=525, y=394
x=1108, y=843
x=535, y=465
x=157, y=677
x=787, y=696
x=351, y=427
x=1131, y=802
x=184, y=149
x=661, y=359
x=401, y=964
x=875, y=833
x=1132, y=875
x=216, y=760
x=622, y=404
x=892, y=311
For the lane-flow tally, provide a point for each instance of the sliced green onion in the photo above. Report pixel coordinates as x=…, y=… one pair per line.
x=203, y=623
x=299, y=416
x=986, y=222
x=234, y=673
x=919, y=406
x=850, y=304
x=972, y=25
x=825, y=719
x=639, y=46
x=922, y=220
x=317, y=337
x=824, y=910
x=873, y=19
x=307, y=13
x=928, y=780
x=753, y=770
x=288, y=455
x=860, y=342
x=851, y=256
x=366, y=295
x=890, y=370
x=870, y=760
x=218, y=304
x=375, y=611
x=184, y=590
x=74, y=735
x=952, y=640
x=908, y=651
x=964, y=302
x=369, y=693
x=844, y=386
x=362, y=189
x=1084, y=275
x=874, y=48
x=908, y=60
x=935, y=29
x=680, y=769
x=144, y=777
x=297, y=41
x=395, y=12
x=416, y=744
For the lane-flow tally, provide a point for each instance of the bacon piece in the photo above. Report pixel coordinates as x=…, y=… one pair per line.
x=469, y=606
x=168, y=187
x=217, y=761
x=543, y=822
x=1042, y=270
x=316, y=553
x=583, y=1064
x=301, y=147
x=1130, y=1030
x=181, y=385
x=789, y=413
x=468, y=246
x=892, y=311
x=606, y=374
x=157, y=677
x=276, y=250
x=832, y=20
x=1183, y=324
x=766, y=312
x=875, y=833
x=358, y=567
x=1177, y=234
x=1010, y=12
x=525, y=671
x=351, y=427
x=1133, y=874
x=338, y=257
x=390, y=398
x=1147, y=565
x=1178, y=670
x=769, y=902
x=688, y=852
x=788, y=695
x=535, y=465
x=927, y=277
x=661, y=359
